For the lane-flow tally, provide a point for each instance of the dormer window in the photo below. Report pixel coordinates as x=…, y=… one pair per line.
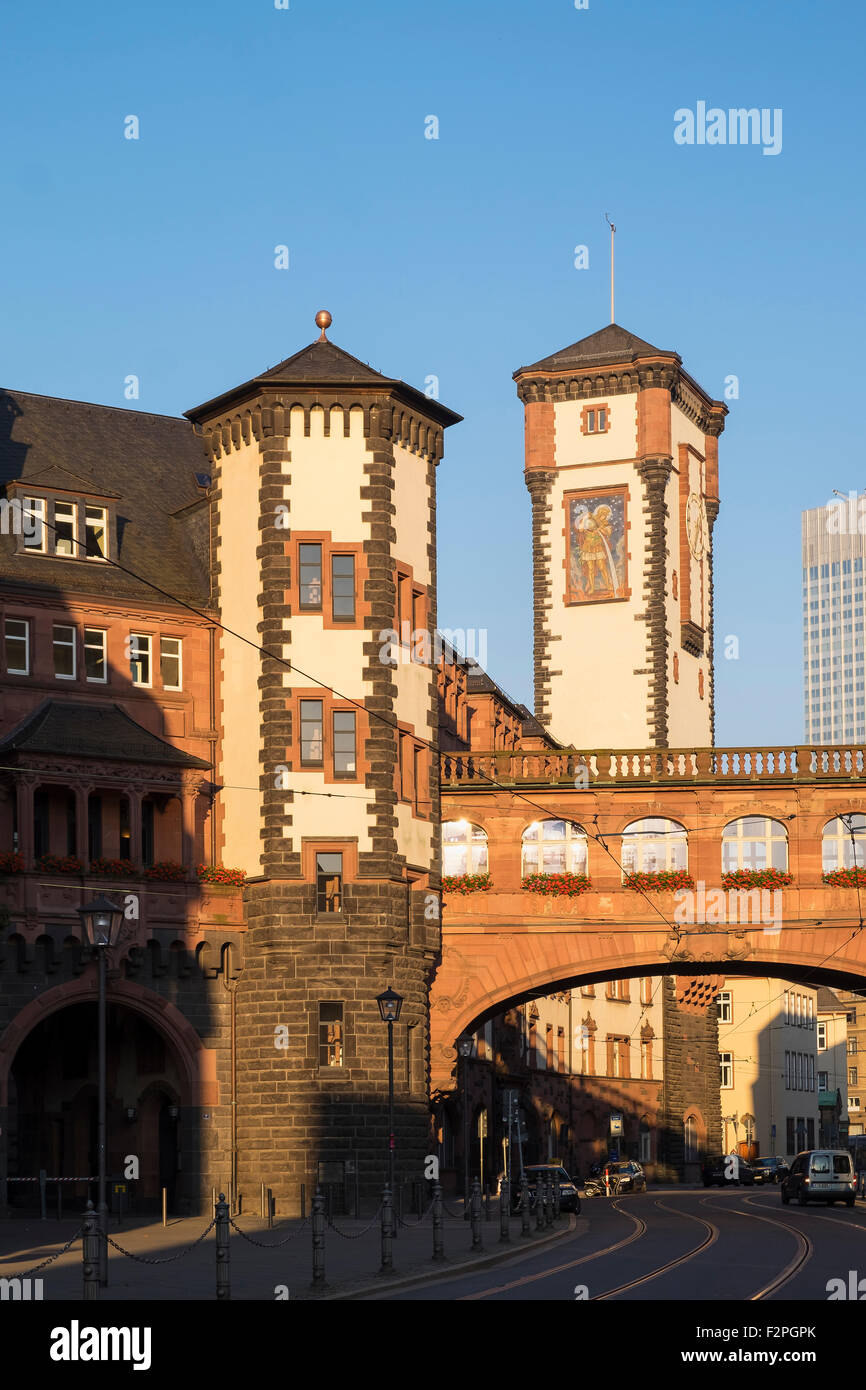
x=66, y=527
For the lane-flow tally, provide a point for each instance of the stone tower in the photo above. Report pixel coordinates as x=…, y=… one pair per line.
x=622, y=469
x=324, y=543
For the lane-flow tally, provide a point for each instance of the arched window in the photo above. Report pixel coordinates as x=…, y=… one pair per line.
x=553, y=847
x=755, y=842
x=464, y=848
x=690, y=1139
x=838, y=851
x=653, y=846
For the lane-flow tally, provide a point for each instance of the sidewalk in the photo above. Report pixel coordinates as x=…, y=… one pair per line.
x=352, y=1256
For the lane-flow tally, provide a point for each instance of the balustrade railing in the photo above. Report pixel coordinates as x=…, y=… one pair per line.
x=635, y=766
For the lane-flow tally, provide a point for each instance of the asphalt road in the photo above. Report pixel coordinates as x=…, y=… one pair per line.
x=684, y=1244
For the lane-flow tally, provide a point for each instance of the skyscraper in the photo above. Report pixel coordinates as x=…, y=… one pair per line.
x=834, y=546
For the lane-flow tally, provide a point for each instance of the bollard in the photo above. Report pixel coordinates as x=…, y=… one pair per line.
x=263, y=1213
x=504, y=1210
x=90, y=1253
x=223, y=1280
x=387, y=1232
x=524, y=1207
x=539, y=1205
x=475, y=1214
x=317, y=1221
x=43, y=1214
x=438, y=1245
x=271, y=1205
x=548, y=1203
x=213, y=1202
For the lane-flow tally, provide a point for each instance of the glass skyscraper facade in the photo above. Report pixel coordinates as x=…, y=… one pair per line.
x=834, y=547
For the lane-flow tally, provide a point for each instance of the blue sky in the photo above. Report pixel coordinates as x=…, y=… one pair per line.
x=454, y=257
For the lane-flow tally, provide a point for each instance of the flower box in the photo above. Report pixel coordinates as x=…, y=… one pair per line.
x=557, y=885
x=166, y=871
x=114, y=868
x=664, y=881
x=467, y=883
x=757, y=878
x=11, y=863
x=216, y=873
x=845, y=878
x=58, y=864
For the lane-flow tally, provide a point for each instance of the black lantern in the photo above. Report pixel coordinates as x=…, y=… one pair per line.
x=100, y=919
x=464, y=1045
x=390, y=1003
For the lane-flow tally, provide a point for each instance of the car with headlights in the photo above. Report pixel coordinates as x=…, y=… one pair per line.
x=727, y=1168
x=624, y=1176
x=767, y=1170
x=548, y=1172
x=821, y=1175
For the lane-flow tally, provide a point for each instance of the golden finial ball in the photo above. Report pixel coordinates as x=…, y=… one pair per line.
x=323, y=319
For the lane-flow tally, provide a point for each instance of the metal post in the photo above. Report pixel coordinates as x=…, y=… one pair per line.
x=504, y=1210
x=262, y=1207
x=466, y=1187
x=387, y=1232
x=556, y=1202
x=390, y=1105
x=43, y=1213
x=317, y=1221
x=223, y=1276
x=90, y=1246
x=548, y=1202
x=165, y=1206
x=102, y=1205
x=475, y=1213
x=438, y=1246
x=524, y=1207
x=539, y=1204
x=270, y=1200
x=213, y=1201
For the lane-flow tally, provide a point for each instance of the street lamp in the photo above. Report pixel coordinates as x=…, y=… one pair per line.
x=464, y=1047
x=390, y=1003
x=100, y=919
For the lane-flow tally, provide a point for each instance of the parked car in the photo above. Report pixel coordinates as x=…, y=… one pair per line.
x=768, y=1170
x=727, y=1168
x=549, y=1172
x=625, y=1176
x=821, y=1175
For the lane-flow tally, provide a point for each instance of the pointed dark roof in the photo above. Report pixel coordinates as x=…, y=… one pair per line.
x=93, y=731
x=324, y=364
x=610, y=344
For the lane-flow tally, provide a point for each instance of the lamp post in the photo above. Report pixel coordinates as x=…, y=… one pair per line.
x=464, y=1047
x=100, y=919
x=390, y=1003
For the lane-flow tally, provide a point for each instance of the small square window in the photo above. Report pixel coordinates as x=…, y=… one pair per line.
x=170, y=663
x=95, y=664
x=310, y=576
x=312, y=736
x=329, y=883
x=330, y=1035
x=140, y=647
x=64, y=652
x=17, y=645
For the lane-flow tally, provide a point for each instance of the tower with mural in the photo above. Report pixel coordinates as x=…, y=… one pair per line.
x=622, y=469
x=324, y=551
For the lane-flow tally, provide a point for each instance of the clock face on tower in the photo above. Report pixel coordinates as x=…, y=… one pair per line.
x=696, y=525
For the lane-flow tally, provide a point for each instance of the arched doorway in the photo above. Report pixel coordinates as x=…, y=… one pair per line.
x=53, y=1104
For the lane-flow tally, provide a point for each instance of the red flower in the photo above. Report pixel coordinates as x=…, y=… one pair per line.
x=216, y=873
x=846, y=878
x=565, y=885
x=664, y=881
x=466, y=883
x=757, y=878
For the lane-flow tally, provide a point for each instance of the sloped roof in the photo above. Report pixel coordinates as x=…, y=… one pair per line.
x=323, y=363
x=610, y=344
x=93, y=731
x=147, y=462
x=829, y=1002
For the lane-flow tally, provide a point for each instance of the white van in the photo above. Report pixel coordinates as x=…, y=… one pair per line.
x=821, y=1175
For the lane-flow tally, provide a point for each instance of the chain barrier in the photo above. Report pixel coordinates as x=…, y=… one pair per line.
x=28, y=1273
x=271, y=1245
x=354, y=1235
x=410, y=1225
x=169, y=1259
x=457, y=1215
